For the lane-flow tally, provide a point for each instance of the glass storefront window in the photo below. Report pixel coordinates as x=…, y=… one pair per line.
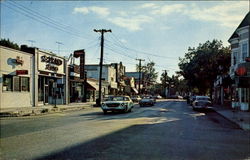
x=244, y=95
x=25, y=84
x=7, y=83
x=16, y=83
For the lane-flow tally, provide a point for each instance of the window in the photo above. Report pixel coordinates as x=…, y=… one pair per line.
x=15, y=83
x=7, y=83
x=25, y=84
x=234, y=57
x=244, y=51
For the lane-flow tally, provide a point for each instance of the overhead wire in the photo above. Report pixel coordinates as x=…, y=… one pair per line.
x=40, y=19
x=137, y=51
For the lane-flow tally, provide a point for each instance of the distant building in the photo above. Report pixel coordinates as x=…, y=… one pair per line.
x=136, y=77
x=108, y=74
x=240, y=65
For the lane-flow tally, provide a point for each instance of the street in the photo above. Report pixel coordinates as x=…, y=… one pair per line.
x=168, y=130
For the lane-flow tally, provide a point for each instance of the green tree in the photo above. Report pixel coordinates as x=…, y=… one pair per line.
x=201, y=65
x=150, y=74
x=8, y=43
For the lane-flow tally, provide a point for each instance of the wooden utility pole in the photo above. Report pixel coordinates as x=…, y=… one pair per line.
x=102, y=31
x=140, y=74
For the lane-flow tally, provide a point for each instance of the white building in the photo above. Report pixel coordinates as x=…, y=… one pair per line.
x=31, y=77
x=240, y=65
x=16, y=78
x=108, y=74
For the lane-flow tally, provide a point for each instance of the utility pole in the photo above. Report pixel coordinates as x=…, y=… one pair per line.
x=102, y=31
x=165, y=81
x=140, y=73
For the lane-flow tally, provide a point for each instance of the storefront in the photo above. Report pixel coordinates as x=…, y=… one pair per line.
x=241, y=88
x=51, y=78
x=16, y=78
x=76, y=85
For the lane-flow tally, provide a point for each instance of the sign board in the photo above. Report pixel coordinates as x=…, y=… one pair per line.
x=22, y=72
x=50, y=63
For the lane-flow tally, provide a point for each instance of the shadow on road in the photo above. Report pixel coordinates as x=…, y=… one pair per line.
x=190, y=136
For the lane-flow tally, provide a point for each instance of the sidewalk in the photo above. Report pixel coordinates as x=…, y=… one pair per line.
x=241, y=118
x=45, y=109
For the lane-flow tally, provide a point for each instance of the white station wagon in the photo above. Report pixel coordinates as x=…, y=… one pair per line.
x=117, y=103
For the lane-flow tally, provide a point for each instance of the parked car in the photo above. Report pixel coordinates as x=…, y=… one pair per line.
x=157, y=97
x=201, y=102
x=191, y=99
x=117, y=103
x=135, y=98
x=147, y=101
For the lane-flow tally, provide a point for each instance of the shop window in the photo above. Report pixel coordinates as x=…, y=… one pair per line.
x=25, y=84
x=7, y=83
x=244, y=95
x=16, y=83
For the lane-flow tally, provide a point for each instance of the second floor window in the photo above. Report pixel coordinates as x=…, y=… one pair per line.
x=244, y=51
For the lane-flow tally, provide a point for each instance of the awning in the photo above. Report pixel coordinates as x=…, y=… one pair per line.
x=92, y=86
x=135, y=90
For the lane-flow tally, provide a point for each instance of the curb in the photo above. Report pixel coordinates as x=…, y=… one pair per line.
x=232, y=121
x=42, y=111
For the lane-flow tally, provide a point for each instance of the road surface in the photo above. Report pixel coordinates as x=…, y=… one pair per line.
x=168, y=130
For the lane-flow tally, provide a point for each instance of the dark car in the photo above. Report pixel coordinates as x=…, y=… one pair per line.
x=146, y=101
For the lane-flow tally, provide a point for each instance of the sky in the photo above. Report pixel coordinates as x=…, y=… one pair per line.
x=158, y=31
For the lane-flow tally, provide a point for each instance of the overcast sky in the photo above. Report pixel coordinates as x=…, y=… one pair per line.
x=152, y=30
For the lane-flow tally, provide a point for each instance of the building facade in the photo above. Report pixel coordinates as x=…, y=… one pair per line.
x=16, y=78
x=49, y=74
x=108, y=74
x=240, y=65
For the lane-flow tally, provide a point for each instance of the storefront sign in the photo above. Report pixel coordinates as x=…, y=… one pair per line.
x=78, y=53
x=22, y=72
x=50, y=63
x=241, y=71
x=52, y=60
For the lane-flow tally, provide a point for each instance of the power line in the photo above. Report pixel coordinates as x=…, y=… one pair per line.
x=46, y=22
x=35, y=13
x=137, y=51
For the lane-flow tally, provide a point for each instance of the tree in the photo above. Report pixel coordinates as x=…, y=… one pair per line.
x=150, y=74
x=8, y=43
x=201, y=65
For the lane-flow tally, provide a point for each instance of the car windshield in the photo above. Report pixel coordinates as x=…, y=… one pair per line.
x=118, y=99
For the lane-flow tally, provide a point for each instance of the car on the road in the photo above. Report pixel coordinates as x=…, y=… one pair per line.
x=117, y=103
x=135, y=98
x=201, y=102
x=191, y=100
x=146, y=101
x=157, y=97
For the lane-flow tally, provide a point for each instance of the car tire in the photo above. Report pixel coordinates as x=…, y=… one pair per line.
x=130, y=110
x=105, y=112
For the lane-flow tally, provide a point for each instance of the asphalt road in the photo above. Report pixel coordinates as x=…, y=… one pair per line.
x=169, y=130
